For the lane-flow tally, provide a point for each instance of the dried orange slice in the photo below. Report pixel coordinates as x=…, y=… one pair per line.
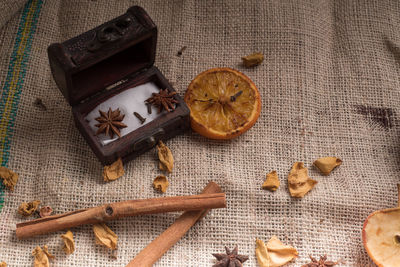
x=224, y=103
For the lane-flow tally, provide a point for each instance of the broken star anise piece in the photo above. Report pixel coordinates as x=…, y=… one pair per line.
x=321, y=263
x=163, y=99
x=110, y=122
x=230, y=258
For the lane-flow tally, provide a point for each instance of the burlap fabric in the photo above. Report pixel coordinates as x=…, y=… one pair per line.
x=329, y=85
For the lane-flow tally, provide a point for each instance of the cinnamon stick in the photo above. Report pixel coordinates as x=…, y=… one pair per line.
x=154, y=251
x=398, y=195
x=118, y=210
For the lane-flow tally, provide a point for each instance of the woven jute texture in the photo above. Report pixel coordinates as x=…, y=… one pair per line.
x=329, y=86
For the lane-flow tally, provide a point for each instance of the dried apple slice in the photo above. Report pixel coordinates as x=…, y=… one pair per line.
x=381, y=236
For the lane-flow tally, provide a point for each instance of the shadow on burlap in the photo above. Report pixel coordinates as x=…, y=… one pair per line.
x=329, y=85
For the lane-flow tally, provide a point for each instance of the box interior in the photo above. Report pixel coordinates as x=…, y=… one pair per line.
x=127, y=101
x=97, y=77
x=87, y=107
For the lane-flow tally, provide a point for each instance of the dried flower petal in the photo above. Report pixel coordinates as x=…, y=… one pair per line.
x=298, y=180
x=3, y=264
x=165, y=157
x=41, y=256
x=275, y=253
x=105, y=236
x=161, y=183
x=272, y=182
x=69, y=244
x=253, y=60
x=280, y=253
x=45, y=211
x=26, y=209
x=46, y=251
x=9, y=177
x=114, y=171
x=327, y=164
x=263, y=258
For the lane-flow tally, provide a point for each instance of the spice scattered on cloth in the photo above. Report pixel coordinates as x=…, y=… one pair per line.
x=321, y=263
x=45, y=211
x=298, y=180
x=165, y=157
x=253, y=60
x=27, y=208
x=69, y=244
x=275, y=253
x=327, y=164
x=39, y=104
x=114, y=171
x=42, y=256
x=181, y=51
x=3, y=264
x=9, y=177
x=272, y=182
x=230, y=258
x=114, y=254
x=105, y=236
x=161, y=183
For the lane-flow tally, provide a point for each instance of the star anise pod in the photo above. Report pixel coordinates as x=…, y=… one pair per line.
x=321, y=263
x=230, y=259
x=163, y=99
x=110, y=122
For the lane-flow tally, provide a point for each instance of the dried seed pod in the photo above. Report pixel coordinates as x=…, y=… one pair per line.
x=272, y=182
x=327, y=164
x=69, y=244
x=321, y=262
x=27, y=208
x=9, y=177
x=110, y=122
x=253, y=60
x=230, y=258
x=165, y=157
x=105, y=236
x=45, y=211
x=42, y=256
x=275, y=253
x=161, y=183
x=114, y=171
x=298, y=180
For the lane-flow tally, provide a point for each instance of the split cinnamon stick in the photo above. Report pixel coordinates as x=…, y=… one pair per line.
x=153, y=252
x=118, y=210
x=398, y=195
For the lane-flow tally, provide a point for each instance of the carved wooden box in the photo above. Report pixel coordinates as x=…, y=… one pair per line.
x=98, y=65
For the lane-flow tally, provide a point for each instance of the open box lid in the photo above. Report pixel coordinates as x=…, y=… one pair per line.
x=89, y=63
